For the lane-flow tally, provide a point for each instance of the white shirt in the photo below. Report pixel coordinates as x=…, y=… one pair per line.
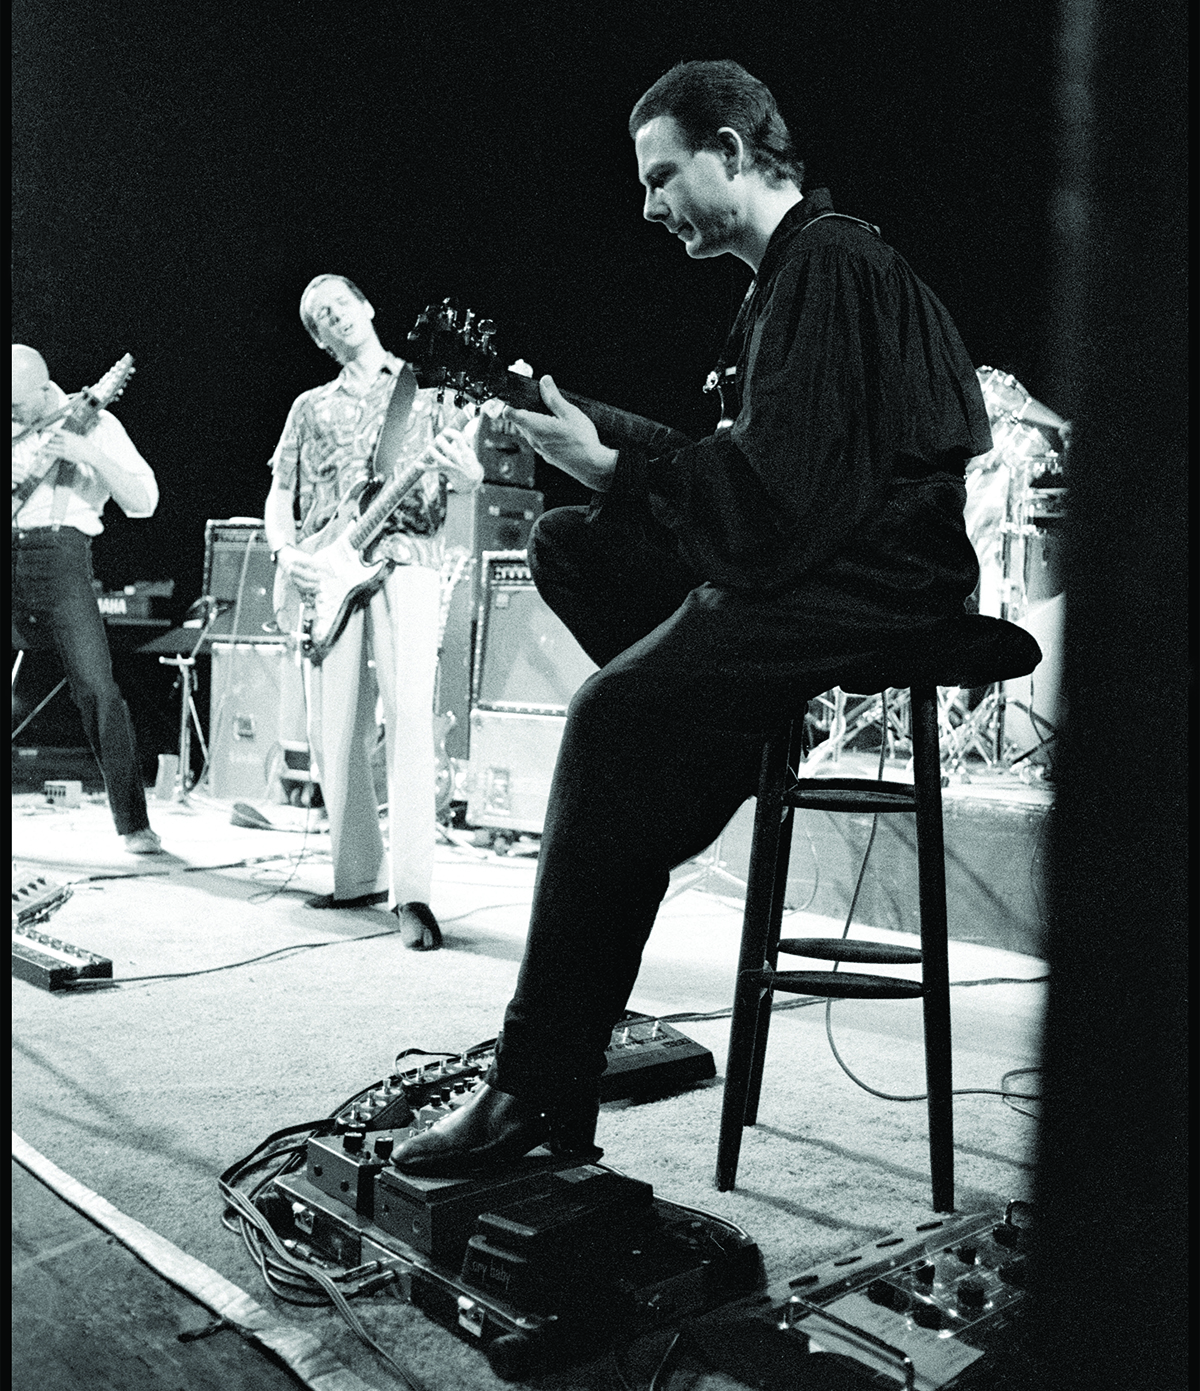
x=88, y=494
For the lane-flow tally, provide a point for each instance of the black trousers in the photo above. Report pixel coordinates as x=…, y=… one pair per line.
x=663, y=743
x=55, y=607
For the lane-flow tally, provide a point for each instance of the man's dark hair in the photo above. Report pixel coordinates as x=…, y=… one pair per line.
x=704, y=96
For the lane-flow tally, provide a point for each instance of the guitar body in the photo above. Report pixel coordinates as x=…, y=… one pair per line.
x=347, y=580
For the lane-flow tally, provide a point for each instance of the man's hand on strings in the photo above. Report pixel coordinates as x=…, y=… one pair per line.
x=453, y=453
x=566, y=437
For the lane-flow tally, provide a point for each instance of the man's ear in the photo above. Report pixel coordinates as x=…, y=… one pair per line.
x=733, y=151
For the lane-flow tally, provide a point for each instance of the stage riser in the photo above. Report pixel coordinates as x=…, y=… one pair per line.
x=995, y=853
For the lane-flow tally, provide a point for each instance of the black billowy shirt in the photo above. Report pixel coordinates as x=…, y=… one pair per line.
x=854, y=385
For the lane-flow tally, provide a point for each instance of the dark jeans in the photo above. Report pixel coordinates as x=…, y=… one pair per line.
x=663, y=744
x=54, y=606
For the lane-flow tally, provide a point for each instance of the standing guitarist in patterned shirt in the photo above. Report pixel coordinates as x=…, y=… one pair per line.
x=332, y=444
x=61, y=483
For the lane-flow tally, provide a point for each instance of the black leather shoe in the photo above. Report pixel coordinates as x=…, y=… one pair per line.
x=362, y=901
x=492, y=1130
x=431, y=934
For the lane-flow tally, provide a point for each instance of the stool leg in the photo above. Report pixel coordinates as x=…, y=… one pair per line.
x=749, y=993
x=935, y=970
x=783, y=855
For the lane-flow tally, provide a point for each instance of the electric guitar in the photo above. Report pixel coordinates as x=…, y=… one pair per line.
x=341, y=551
x=455, y=355
x=81, y=419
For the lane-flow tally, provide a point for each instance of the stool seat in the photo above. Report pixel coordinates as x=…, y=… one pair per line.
x=967, y=650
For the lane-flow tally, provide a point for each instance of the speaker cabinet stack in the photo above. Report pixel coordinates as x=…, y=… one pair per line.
x=527, y=667
x=496, y=517
x=256, y=696
x=256, y=712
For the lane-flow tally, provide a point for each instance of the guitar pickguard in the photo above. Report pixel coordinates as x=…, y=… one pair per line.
x=348, y=579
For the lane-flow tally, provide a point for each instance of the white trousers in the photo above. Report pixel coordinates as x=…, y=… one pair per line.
x=398, y=631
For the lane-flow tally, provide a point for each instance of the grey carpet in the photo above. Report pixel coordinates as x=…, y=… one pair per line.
x=145, y=1093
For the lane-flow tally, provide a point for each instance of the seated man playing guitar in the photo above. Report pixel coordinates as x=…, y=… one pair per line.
x=720, y=584
x=69, y=457
x=360, y=581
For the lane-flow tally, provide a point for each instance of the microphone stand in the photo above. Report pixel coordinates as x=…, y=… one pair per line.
x=212, y=608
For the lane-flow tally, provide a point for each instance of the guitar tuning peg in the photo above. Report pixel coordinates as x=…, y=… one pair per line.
x=417, y=332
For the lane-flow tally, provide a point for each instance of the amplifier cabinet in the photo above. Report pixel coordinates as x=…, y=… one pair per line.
x=494, y=518
x=238, y=569
x=506, y=459
x=256, y=706
x=527, y=667
x=526, y=659
x=512, y=763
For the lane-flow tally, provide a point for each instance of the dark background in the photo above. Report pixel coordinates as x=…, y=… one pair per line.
x=182, y=170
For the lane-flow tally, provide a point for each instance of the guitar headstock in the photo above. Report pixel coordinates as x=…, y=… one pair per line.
x=110, y=385
x=453, y=351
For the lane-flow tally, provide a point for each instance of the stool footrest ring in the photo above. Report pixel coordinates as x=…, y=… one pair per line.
x=850, y=794
x=851, y=985
x=844, y=949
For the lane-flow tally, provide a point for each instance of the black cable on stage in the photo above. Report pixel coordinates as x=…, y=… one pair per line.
x=288, y=1275
x=89, y=984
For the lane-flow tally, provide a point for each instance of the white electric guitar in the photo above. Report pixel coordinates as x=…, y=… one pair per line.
x=342, y=553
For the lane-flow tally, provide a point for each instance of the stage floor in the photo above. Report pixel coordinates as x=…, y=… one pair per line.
x=237, y=1011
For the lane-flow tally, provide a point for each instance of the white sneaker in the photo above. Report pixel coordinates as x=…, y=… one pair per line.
x=143, y=843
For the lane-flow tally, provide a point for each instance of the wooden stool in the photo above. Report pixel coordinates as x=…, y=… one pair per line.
x=967, y=651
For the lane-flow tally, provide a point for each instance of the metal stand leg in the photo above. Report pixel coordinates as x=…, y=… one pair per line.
x=40, y=706
x=187, y=715
x=706, y=867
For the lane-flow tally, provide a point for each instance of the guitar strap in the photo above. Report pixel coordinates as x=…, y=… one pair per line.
x=60, y=475
x=723, y=377
x=394, y=422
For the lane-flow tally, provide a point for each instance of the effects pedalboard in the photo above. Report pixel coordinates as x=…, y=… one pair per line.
x=942, y=1307
x=38, y=956
x=646, y=1058
x=541, y=1264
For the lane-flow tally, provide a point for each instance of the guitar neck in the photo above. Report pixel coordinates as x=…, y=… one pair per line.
x=616, y=428
x=373, y=520
x=85, y=416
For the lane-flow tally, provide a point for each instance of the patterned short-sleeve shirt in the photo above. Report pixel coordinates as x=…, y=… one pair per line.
x=330, y=437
